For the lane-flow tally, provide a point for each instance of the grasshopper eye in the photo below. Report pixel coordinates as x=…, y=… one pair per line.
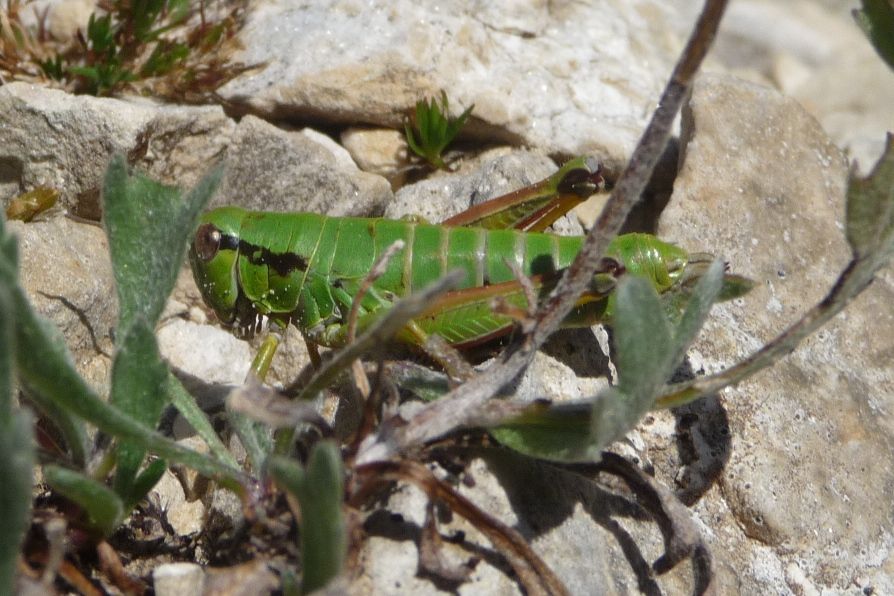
x=207, y=241
x=583, y=181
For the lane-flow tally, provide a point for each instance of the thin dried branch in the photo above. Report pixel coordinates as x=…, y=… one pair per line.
x=431, y=552
x=534, y=575
x=111, y=564
x=460, y=405
x=380, y=333
x=262, y=403
x=453, y=362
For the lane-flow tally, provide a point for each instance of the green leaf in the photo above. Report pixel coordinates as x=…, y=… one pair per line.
x=870, y=208
x=103, y=507
x=16, y=447
x=138, y=380
x=147, y=225
x=164, y=58
x=553, y=432
x=145, y=481
x=644, y=357
x=320, y=493
x=435, y=129
x=100, y=34
x=17, y=461
x=421, y=381
x=877, y=21
x=197, y=419
x=699, y=305
x=44, y=365
x=643, y=339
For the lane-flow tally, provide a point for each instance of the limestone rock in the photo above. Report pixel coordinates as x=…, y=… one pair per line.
x=529, y=70
x=762, y=185
x=67, y=273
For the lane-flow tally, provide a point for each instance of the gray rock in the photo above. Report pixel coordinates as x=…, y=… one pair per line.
x=529, y=71
x=275, y=170
x=51, y=138
x=66, y=271
x=762, y=185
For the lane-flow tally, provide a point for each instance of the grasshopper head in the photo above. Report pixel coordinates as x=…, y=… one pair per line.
x=213, y=256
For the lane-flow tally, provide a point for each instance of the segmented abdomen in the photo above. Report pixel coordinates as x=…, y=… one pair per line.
x=309, y=264
x=431, y=251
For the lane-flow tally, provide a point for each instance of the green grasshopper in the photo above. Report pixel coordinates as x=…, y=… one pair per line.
x=307, y=269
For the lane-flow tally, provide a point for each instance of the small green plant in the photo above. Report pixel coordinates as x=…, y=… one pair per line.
x=435, y=129
x=163, y=47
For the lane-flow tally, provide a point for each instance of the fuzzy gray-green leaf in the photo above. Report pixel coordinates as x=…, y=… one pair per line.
x=697, y=308
x=643, y=339
x=320, y=492
x=147, y=225
x=644, y=357
x=554, y=432
x=138, y=383
x=870, y=208
x=16, y=450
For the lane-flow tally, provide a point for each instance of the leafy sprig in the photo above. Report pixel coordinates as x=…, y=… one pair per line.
x=435, y=129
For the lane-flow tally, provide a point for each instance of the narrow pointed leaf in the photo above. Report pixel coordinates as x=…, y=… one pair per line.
x=697, y=308
x=16, y=448
x=320, y=492
x=877, y=21
x=104, y=508
x=870, y=208
x=17, y=461
x=148, y=225
x=146, y=481
x=553, y=432
x=645, y=353
x=642, y=338
x=138, y=380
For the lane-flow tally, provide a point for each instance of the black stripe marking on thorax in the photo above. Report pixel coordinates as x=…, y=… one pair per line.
x=283, y=263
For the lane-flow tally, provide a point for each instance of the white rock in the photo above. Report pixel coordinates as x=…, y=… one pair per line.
x=178, y=579
x=206, y=352
x=570, y=78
